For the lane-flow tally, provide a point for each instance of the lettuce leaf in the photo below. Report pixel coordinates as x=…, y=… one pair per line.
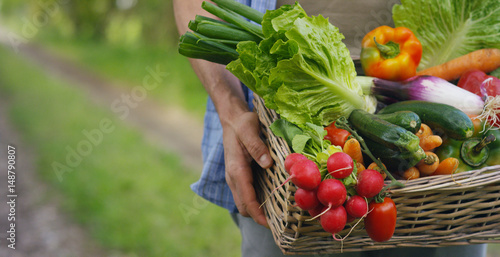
x=302, y=69
x=449, y=29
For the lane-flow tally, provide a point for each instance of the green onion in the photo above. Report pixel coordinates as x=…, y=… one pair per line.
x=197, y=46
x=241, y=9
x=200, y=18
x=216, y=40
x=218, y=30
x=234, y=19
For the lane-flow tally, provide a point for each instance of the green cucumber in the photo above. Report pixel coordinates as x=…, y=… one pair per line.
x=393, y=159
x=385, y=133
x=448, y=119
x=405, y=119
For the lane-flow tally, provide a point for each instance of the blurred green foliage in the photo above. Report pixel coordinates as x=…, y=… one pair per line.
x=130, y=195
x=123, y=21
x=116, y=39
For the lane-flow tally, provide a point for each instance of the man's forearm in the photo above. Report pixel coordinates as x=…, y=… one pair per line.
x=220, y=84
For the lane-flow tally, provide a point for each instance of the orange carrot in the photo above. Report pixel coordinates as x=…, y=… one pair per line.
x=478, y=126
x=353, y=149
x=486, y=60
x=411, y=173
x=423, y=131
x=360, y=167
x=430, y=142
x=374, y=166
x=447, y=166
x=428, y=165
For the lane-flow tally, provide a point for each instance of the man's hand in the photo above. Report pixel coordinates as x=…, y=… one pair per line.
x=242, y=144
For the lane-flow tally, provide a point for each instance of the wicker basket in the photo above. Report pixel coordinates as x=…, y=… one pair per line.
x=432, y=211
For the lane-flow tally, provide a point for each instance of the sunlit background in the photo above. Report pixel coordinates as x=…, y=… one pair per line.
x=106, y=119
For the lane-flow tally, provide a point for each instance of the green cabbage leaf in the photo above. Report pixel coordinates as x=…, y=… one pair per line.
x=302, y=69
x=448, y=29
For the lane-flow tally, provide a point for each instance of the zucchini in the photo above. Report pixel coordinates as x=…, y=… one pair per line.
x=385, y=133
x=405, y=119
x=393, y=159
x=448, y=119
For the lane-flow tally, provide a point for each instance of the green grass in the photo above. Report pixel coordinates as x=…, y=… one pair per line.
x=126, y=66
x=127, y=193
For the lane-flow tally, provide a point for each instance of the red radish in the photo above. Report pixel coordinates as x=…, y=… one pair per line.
x=306, y=199
x=370, y=182
x=340, y=165
x=305, y=174
x=356, y=206
x=332, y=193
x=317, y=211
x=334, y=220
x=349, y=217
x=291, y=159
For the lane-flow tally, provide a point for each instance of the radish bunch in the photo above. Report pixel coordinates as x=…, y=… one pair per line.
x=337, y=197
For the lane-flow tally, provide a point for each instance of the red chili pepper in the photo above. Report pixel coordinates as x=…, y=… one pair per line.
x=390, y=53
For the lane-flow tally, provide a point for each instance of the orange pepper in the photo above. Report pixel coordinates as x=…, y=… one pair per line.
x=390, y=53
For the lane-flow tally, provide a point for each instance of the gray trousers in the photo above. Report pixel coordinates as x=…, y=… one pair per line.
x=258, y=241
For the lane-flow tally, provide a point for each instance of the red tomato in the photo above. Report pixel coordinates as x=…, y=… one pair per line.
x=336, y=136
x=380, y=222
x=480, y=83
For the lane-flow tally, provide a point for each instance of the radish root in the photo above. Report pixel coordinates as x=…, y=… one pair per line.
x=319, y=215
x=269, y=196
x=490, y=112
x=341, y=239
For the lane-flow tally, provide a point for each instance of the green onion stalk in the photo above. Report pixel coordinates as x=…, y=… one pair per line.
x=216, y=40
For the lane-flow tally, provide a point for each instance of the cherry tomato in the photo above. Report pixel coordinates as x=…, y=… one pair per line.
x=336, y=136
x=380, y=222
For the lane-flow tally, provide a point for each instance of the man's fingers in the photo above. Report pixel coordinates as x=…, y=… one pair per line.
x=248, y=134
x=252, y=206
x=240, y=180
x=242, y=143
x=246, y=198
x=241, y=209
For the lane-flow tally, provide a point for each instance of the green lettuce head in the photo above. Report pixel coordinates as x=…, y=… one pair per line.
x=302, y=69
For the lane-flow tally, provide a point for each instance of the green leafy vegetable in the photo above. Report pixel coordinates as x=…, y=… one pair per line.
x=301, y=68
x=308, y=140
x=449, y=29
x=286, y=130
x=299, y=143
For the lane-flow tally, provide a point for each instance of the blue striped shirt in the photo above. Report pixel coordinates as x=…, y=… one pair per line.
x=212, y=183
